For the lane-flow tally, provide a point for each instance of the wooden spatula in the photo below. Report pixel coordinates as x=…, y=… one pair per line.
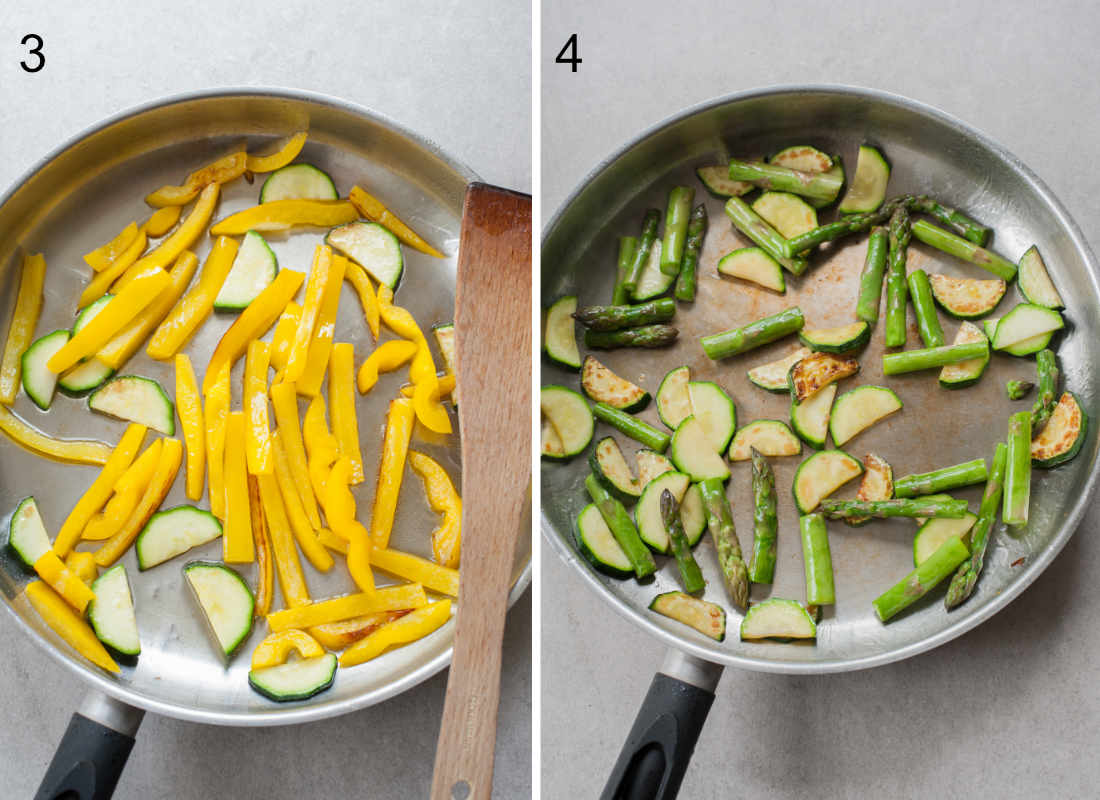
x=493, y=352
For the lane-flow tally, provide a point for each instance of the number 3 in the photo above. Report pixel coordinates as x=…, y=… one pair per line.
x=34, y=51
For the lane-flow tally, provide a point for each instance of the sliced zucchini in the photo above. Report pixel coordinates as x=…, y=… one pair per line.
x=136, y=399
x=569, y=417
x=647, y=514
x=787, y=213
x=770, y=437
x=716, y=180
x=965, y=373
x=692, y=515
x=877, y=484
x=1062, y=437
x=445, y=340
x=225, y=600
x=599, y=546
x=934, y=532
x=803, y=158
x=561, y=335
x=371, y=246
x=298, y=182
x=707, y=618
x=673, y=400
x=38, y=382
x=859, y=409
x=868, y=188
x=810, y=418
x=81, y=379
x=753, y=264
x=773, y=375
x=966, y=298
x=88, y=313
x=604, y=386
x=836, y=171
x=1035, y=282
x=813, y=373
x=713, y=407
x=650, y=465
x=820, y=475
x=610, y=468
x=27, y=534
x=653, y=282
x=295, y=680
x=552, y=446
x=836, y=340
x=693, y=453
x=112, y=612
x=776, y=618
x=1025, y=321
x=173, y=531
x=253, y=270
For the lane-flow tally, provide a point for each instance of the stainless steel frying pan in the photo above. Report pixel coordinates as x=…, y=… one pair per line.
x=930, y=153
x=79, y=196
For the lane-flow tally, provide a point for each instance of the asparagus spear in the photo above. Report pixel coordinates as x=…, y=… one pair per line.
x=1046, y=366
x=1017, y=390
x=815, y=185
x=650, y=222
x=690, y=575
x=622, y=528
x=613, y=318
x=697, y=229
x=645, y=336
x=764, y=235
x=680, y=199
x=929, y=507
x=962, y=224
x=896, y=287
x=940, y=480
x=632, y=426
x=755, y=334
x=628, y=246
x=962, y=248
x=870, y=281
x=765, y=523
x=817, y=561
x=921, y=580
x=1017, y=492
x=962, y=585
x=912, y=360
x=928, y=324
x=724, y=534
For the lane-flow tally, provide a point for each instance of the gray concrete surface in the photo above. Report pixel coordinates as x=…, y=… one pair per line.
x=441, y=70
x=1009, y=710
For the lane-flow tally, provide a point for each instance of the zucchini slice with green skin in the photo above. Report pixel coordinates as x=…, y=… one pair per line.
x=604, y=386
x=136, y=399
x=1025, y=348
x=173, y=531
x=38, y=382
x=1062, y=436
x=716, y=180
x=610, y=468
x=570, y=419
x=253, y=270
x=754, y=265
x=1025, y=321
x=112, y=612
x=776, y=618
x=773, y=375
x=560, y=340
x=1035, y=282
x=769, y=437
x=934, y=532
x=836, y=340
x=371, y=246
x=295, y=680
x=226, y=602
x=81, y=379
x=599, y=546
x=803, y=158
x=787, y=213
x=298, y=182
x=707, y=618
x=713, y=407
x=965, y=373
x=868, y=187
x=647, y=514
x=810, y=375
x=27, y=534
x=650, y=465
x=810, y=418
x=88, y=313
x=692, y=452
x=966, y=298
x=673, y=399
x=859, y=409
x=820, y=475
x=653, y=282
x=551, y=446
x=877, y=484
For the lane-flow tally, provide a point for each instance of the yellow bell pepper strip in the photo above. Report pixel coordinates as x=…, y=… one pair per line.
x=237, y=533
x=312, y=549
x=280, y=215
x=387, y=357
x=337, y=609
x=67, y=624
x=123, y=346
x=82, y=564
x=442, y=497
x=102, y=487
x=395, y=444
x=340, y=511
x=189, y=407
x=341, y=399
x=221, y=171
x=181, y=323
x=446, y=386
x=314, y=428
x=321, y=458
x=311, y=309
x=408, y=628
x=284, y=399
x=253, y=322
x=275, y=648
x=416, y=569
x=283, y=337
x=161, y=221
x=287, y=565
x=372, y=209
x=257, y=431
x=338, y=635
x=71, y=451
x=215, y=417
x=128, y=491
x=320, y=346
x=422, y=372
x=360, y=281
x=98, y=285
x=171, y=455
x=429, y=410
x=333, y=542
x=64, y=581
x=280, y=158
x=24, y=320
x=115, y=316
x=102, y=257
x=182, y=238
x=265, y=567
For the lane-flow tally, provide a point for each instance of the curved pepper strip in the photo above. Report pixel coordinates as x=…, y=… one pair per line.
x=322, y=456
x=257, y=430
x=127, y=494
x=395, y=444
x=322, y=272
x=416, y=569
x=189, y=408
x=24, y=320
x=67, y=624
x=181, y=239
x=426, y=392
x=216, y=416
x=237, y=544
x=280, y=158
x=279, y=215
x=64, y=581
x=339, y=635
x=371, y=208
x=275, y=648
x=312, y=549
x=265, y=568
x=102, y=257
x=340, y=511
x=442, y=497
x=82, y=564
x=283, y=337
x=428, y=409
x=446, y=386
x=287, y=565
x=284, y=400
x=161, y=221
x=101, y=283
x=408, y=628
x=74, y=452
x=360, y=281
x=221, y=171
x=337, y=609
x=341, y=399
x=387, y=357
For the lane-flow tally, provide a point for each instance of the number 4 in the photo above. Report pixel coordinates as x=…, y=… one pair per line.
x=568, y=54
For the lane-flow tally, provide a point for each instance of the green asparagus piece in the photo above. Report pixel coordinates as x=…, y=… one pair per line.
x=1046, y=366
x=755, y=334
x=764, y=235
x=632, y=426
x=962, y=224
x=962, y=248
x=962, y=584
x=697, y=229
x=680, y=199
x=765, y=524
x=870, y=281
x=1017, y=390
x=690, y=574
x=613, y=318
x=928, y=323
x=724, y=534
x=650, y=222
x=645, y=336
x=912, y=360
x=922, y=580
x=622, y=527
x=815, y=185
x=628, y=246
x=896, y=286
x=940, y=480
x=817, y=560
x=929, y=507
x=1017, y=496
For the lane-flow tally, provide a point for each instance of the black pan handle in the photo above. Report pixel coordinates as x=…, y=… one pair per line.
x=93, y=751
x=658, y=749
